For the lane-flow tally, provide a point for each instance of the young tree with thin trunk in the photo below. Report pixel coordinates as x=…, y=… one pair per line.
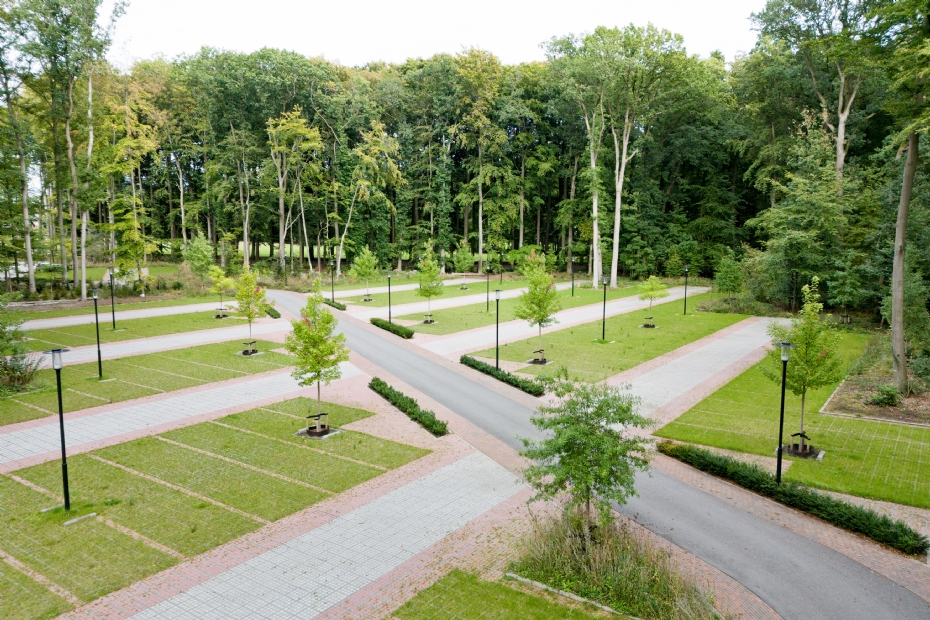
x=540, y=301
x=652, y=289
x=365, y=267
x=318, y=350
x=463, y=260
x=429, y=278
x=250, y=298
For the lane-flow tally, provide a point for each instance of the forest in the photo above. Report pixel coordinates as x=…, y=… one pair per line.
x=621, y=155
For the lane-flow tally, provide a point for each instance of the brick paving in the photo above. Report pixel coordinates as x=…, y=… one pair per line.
x=38, y=440
x=453, y=345
x=122, y=315
x=264, y=328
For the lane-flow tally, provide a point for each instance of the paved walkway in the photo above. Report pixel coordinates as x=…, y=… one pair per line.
x=311, y=573
x=112, y=350
x=123, y=315
x=38, y=440
x=479, y=338
x=410, y=286
x=420, y=307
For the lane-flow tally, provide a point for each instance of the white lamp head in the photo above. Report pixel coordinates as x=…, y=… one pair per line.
x=56, y=358
x=786, y=350
x=95, y=292
x=497, y=294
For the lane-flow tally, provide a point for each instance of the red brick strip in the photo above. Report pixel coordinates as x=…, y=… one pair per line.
x=144, y=539
x=45, y=581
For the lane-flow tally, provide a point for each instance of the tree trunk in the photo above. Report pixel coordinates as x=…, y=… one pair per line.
x=72, y=195
x=84, y=216
x=898, y=351
x=620, y=152
x=480, y=208
x=177, y=165
x=801, y=436
x=23, y=182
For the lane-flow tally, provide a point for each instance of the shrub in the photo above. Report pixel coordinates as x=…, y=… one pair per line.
x=272, y=312
x=397, y=330
x=886, y=396
x=527, y=385
x=921, y=366
x=879, y=528
x=618, y=569
x=425, y=418
x=334, y=304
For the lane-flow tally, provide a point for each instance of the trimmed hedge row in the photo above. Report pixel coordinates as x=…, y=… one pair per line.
x=397, y=330
x=879, y=528
x=334, y=304
x=425, y=418
x=527, y=385
x=272, y=312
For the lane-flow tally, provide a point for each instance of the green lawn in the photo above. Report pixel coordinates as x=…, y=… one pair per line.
x=462, y=596
x=96, y=273
x=408, y=297
x=84, y=335
x=878, y=460
x=459, y=319
x=628, y=344
x=43, y=312
x=91, y=558
x=138, y=376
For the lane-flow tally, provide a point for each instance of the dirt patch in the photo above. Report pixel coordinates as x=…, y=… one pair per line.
x=853, y=396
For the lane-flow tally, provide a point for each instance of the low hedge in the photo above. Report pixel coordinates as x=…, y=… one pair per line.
x=272, y=312
x=397, y=330
x=527, y=385
x=334, y=304
x=878, y=527
x=425, y=418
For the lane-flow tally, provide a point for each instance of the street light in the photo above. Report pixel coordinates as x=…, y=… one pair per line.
x=497, y=324
x=389, y=299
x=332, y=278
x=604, y=281
x=112, y=302
x=97, y=323
x=686, y=288
x=785, y=351
x=57, y=365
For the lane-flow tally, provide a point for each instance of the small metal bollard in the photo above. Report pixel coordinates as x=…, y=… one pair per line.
x=322, y=425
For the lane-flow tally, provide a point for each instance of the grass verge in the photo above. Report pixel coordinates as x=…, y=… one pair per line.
x=877, y=460
x=579, y=348
x=618, y=569
x=137, y=376
x=380, y=300
x=35, y=313
x=463, y=596
x=880, y=528
x=26, y=599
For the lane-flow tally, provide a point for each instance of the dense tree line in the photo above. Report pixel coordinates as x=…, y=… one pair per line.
x=801, y=159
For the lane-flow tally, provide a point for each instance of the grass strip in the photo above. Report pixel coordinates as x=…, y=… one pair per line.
x=301, y=407
x=527, y=385
x=880, y=528
x=463, y=596
x=35, y=313
x=87, y=558
x=394, y=328
x=171, y=518
x=425, y=418
x=26, y=599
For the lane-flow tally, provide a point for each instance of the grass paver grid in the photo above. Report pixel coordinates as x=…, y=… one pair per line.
x=380, y=300
x=458, y=319
x=138, y=376
x=628, y=344
x=104, y=308
x=877, y=460
x=109, y=558
x=86, y=335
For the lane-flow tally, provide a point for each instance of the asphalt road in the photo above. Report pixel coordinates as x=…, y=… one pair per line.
x=797, y=577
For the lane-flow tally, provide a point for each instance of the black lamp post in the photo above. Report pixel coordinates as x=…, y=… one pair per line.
x=97, y=323
x=487, y=305
x=785, y=349
x=112, y=301
x=497, y=329
x=389, y=299
x=332, y=279
x=57, y=365
x=686, y=289
x=604, y=281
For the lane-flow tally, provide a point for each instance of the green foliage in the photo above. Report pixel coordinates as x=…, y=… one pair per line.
x=394, y=328
x=814, y=361
x=424, y=417
x=527, y=385
x=17, y=370
x=270, y=311
x=428, y=277
x=652, y=289
x=916, y=315
x=250, y=298
x=199, y=255
x=540, y=300
x=674, y=268
x=886, y=396
x=364, y=267
x=462, y=258
x=589, y=452
x=223, y=285
x=334, y=304
x=880, y=528
x=318, y=351
x=729, y=277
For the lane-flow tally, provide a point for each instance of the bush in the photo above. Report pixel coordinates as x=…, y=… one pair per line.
x=921, y=366
x=425, y=418
x=618, y=569
x=334, y=304
x=527, y=385
x=879, y=528
x=272, y=312
x=397, y=330
x=886, y=396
